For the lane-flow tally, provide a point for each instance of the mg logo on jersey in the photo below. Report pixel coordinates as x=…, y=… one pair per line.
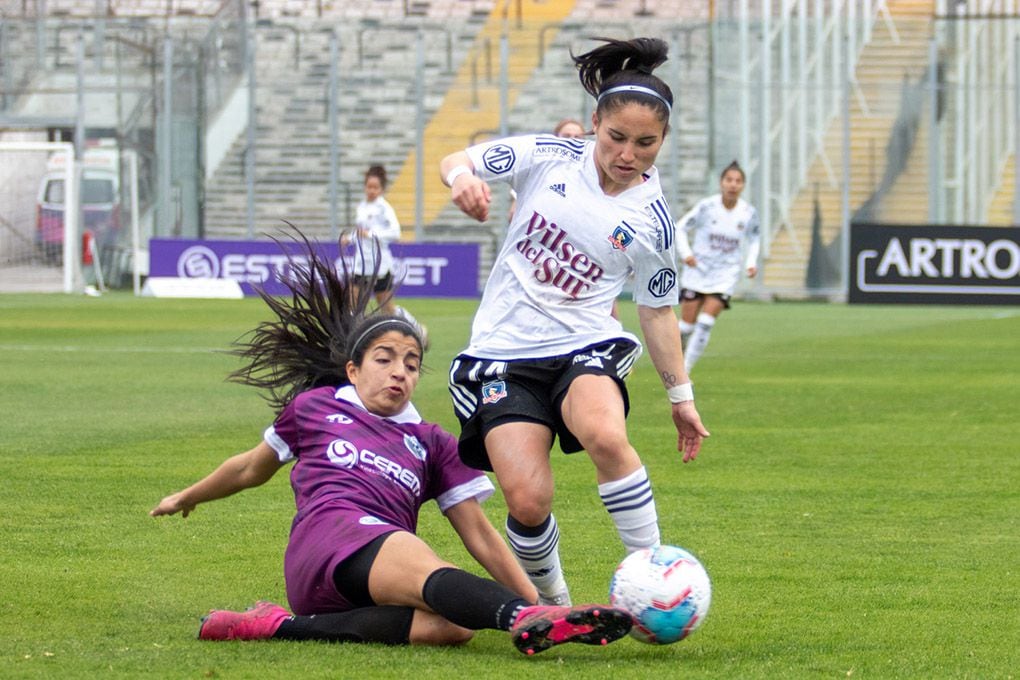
x=498, y=159
x=662, y=282
x=493, y=391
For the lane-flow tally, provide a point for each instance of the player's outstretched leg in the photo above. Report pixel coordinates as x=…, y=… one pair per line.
x=538, y=628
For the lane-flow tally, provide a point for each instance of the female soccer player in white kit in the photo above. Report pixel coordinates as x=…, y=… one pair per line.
x=546, y=358
x=378, y=227
x=726, y=241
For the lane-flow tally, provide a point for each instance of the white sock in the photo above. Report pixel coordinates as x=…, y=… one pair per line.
x=686, y=328
x=699, y=340
x=632, y=508
x=537, y=551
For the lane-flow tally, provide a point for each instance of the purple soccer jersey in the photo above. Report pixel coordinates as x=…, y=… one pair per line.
x=357, y=476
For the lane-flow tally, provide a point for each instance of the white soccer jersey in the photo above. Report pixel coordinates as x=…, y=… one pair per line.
x=380, y=221
x=719, y=237
x=569, y=250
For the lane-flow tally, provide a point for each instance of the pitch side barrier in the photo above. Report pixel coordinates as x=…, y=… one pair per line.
x=934, y=264
x=440, y=270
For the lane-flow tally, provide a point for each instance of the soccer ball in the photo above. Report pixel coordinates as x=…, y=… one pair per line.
x=665, y=589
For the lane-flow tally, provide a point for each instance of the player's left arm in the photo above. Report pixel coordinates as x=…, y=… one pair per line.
x=753, y=237
x=662, y=339
x=389, y=230
x=487, y=547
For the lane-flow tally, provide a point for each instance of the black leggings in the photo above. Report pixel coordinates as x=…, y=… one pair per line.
x=351, y=576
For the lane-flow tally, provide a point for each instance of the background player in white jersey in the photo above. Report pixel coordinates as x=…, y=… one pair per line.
x=546, y=358
x=364, y=463
x=376, y=226
x=726, y=241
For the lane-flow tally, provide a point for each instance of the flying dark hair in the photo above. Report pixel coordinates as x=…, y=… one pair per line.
x=732, y=166
x=621, y=63
x=321, y=325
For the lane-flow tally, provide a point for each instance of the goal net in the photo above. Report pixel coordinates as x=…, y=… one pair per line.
x=40, y=242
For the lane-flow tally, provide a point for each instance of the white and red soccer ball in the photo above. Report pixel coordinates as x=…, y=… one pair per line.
x=665, y=589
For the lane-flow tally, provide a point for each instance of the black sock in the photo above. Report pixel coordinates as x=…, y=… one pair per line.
x=471, y=601
x=388, y=625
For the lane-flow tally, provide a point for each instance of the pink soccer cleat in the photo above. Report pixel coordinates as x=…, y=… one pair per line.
x=540, y=627
x=258, y=623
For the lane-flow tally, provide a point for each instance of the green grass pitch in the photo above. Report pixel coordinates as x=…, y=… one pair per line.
x=857, y=506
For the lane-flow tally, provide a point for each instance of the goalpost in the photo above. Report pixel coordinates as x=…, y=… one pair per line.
x=67, y=225
x=40, y=242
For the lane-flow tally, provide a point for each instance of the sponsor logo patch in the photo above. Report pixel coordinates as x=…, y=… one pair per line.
x=499, y=158
x=414, y=446
x=621, y=238
x=662, y=282
x=493, y=391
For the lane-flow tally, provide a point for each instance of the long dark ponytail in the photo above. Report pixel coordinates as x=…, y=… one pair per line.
x=306, y=345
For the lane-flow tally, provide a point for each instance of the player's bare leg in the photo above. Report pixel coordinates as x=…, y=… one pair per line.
x=593, y=411
x=519, y=453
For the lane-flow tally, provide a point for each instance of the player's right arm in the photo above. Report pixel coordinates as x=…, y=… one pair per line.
x=237, y=473
x=469, y=192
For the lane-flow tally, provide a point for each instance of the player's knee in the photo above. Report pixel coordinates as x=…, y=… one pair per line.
x=527, y=509
x=614, y=460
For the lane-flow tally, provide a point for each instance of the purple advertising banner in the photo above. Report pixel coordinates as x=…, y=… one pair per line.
x=444, y=270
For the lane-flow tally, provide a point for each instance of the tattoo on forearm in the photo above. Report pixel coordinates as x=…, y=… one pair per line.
x=669, y=379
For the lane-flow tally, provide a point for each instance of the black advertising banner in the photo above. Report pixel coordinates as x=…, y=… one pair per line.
x=934, y=264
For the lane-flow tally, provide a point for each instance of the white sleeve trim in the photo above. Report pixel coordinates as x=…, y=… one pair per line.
x=478, y=488
x=283, y=452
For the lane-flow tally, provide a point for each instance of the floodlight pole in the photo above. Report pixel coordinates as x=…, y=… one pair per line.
x=1016, y=131
x=334, y=143
x=844, y=240
x=419, y=137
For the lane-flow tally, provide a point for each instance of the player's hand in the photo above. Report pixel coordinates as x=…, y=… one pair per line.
x=689, y=429
x=171, y=505
x=472, y=195
x=691, y=261
x=752, y=271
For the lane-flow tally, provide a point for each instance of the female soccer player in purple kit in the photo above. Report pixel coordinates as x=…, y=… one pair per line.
x=364, y=463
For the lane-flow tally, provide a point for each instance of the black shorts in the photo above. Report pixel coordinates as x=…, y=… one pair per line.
x=381, y=284
x=351, y=576
x=688, y=294
x=491, y=392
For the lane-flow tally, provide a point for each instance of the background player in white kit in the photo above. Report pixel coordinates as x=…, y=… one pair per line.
x=376, y=226
x=364, y=462
x=546, y=358
x=726, y=242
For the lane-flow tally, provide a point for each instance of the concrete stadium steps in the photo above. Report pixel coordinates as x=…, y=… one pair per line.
x=883, y=66
x=471, y=107
x=376, y=112
x=269, y=9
